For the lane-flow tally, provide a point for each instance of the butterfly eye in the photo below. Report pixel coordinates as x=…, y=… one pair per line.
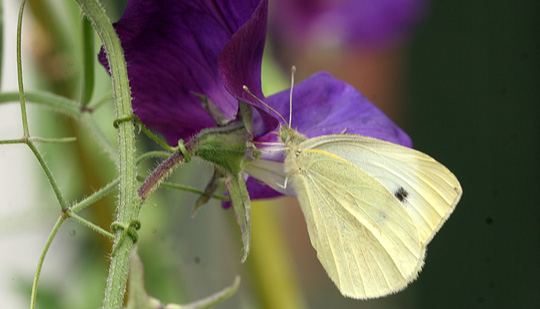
x=297, y=153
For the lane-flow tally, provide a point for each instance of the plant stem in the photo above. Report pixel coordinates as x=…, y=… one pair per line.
x=128, y=204
x=1, y=39
x=95, y=196
x=19, y=72
x=190, y=189
x=90, y=225
x=50, y=176
x=13, y=141
x=68, y=107
x=45, y=140
x=88, y=62
x=153, y=154
x=159, y=174
x=52, y=101
x=55, y=229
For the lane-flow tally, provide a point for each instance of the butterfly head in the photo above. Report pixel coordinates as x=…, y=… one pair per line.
x=290, y=137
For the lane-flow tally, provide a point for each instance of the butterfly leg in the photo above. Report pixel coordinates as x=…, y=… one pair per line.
x=284, y=185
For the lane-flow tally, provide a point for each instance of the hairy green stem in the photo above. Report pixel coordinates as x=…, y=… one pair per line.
x=45, y=140
x=50, y=176
x=54, y=231
x=70, y=108
x=19, y=72
x=49, y=100
x=95, y=196
x=184, y=188
x=90, y=225
x=71, y=213
x=153, y=154
x=128, y=204
x=35, y=139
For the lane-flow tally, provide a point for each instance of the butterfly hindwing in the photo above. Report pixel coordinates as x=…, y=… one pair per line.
x=364, y=237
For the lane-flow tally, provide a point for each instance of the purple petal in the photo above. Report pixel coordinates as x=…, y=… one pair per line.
x=257, y=190
x=325, y=105
x=172, y=49
x=353, y=22
x=240, y=64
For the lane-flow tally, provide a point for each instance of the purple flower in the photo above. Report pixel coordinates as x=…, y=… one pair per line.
x=172, y=49
x=175, y=48
x=351, y=22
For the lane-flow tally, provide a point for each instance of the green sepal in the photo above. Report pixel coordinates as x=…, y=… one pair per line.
x=245, y=112
x=241, y=204
x=224, y=147
x=217, y=182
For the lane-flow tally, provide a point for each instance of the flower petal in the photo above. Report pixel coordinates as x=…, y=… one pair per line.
x=240, y=65
x=172, y=49
x=324, y=105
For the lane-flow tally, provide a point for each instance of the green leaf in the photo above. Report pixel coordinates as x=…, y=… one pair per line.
x=241, y=204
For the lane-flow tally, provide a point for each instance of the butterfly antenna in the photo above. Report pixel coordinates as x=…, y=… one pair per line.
x=293, y=70
x=261, y=101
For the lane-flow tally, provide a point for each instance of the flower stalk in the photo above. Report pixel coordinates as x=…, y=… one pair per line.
x=128, y=204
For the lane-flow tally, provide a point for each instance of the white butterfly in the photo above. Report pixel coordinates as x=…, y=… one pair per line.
x=371, y=207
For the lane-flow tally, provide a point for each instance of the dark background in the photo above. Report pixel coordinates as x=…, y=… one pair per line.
x=474, y=95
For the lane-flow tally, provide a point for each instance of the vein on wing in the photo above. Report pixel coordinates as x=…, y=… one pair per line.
x=333, y=193
x=325, y=199
x=402, y=171
x=440, y=179
x=367, y=215
x=414, y=187
x=343, y=245
x=315, y=209
x=384, y=275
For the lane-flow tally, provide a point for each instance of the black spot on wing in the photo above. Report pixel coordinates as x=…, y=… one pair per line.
x=401, y=194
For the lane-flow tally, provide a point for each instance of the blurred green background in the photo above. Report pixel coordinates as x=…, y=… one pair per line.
x=469, y=96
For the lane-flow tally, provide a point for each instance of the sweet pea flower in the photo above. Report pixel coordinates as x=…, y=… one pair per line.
x=176, y=49
x=172, y=49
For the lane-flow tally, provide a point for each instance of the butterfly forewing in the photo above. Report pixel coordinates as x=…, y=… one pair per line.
x=364, y=237
x=427, y=189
